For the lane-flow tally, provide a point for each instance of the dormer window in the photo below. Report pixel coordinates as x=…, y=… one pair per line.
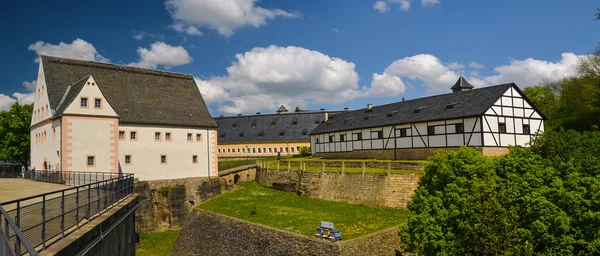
x=418, y=110
x=295, y=121
x=222, y=135
x=304, y=131
x=316, y=121
x=274, y=122
x=241, y=134
x=261, y=133
x=253, y=123
x=84, y=102
x=234, y=125
x=282, y=133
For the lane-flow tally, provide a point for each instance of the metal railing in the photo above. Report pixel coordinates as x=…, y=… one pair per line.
x=41, y=220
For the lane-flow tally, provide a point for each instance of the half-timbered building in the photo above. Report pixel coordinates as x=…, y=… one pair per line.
x=489, y=119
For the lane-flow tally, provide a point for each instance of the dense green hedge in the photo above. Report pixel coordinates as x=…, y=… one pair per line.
x=542, y=200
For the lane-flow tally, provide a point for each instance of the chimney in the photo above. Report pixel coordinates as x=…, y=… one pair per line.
x=369, y=106
x=345, y=109
x=322, y=109
x=258, y=113
x=239, y=114
x=326, y=117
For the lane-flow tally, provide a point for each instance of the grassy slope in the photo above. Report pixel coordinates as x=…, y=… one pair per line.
x=157, y=244
x=288, y=211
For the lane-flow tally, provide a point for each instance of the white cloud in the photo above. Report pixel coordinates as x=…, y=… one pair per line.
x=162, y=54
x=6, y=102
x=381, y=6
x=23, y=98
x=530, y=72
x=262, y=78
x=476, y=65
x=438, y=77
x=189, y=30
x=429, y=2
x=139, y=35
x=385, y=85
x=455, y=65
x=78, y=49
x=404, y=4
x=30, y=86
x=337, y=31
x=224, y=16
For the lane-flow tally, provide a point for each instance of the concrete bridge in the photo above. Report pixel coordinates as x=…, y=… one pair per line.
x=68, y=213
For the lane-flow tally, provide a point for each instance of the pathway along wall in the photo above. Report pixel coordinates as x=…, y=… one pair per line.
x=391, y=190
x=208, y=233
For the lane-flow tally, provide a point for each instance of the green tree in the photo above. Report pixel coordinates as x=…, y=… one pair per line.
x=297, y=109
x=304, y=151
x=541, y=200
x=14, y=133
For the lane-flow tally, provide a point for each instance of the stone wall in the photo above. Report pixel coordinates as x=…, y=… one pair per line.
x=405, y=154
x=391, y=190
x=239, y=175
x=208, y=233
x=165, y=204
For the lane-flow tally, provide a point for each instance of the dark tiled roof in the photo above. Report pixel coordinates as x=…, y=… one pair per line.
x=462, y=84
x=139, y=96
x=269, y=127
x=439, y=107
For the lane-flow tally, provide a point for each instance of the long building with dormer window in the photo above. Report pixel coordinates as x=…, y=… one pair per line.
x=100, y=117
x=489, y=119
x=267, y=135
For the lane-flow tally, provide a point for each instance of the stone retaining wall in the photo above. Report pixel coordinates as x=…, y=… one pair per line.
x=208, y=233
x=165, y=204
x=393, y=190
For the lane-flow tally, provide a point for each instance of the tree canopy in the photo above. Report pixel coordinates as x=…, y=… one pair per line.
x=541, y=200
x=14, y=133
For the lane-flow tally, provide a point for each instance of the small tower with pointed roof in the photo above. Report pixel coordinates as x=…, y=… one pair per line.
x=282, y=109
x=462, y=85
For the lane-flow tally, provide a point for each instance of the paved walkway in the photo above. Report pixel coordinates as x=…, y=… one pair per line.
x=11, y=189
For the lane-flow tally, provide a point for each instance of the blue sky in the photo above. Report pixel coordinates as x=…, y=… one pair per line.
x=249, y=56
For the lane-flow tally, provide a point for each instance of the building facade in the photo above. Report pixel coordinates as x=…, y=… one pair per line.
x=99, y=117
x=267, y=135
x=489, y=119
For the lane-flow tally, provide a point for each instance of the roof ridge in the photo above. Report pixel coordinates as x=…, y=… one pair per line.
x=433, y=96
x=276, y=114
x=117, y=67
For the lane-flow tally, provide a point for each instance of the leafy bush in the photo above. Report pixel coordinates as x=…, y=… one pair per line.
x=543, y=200
x=305, y=151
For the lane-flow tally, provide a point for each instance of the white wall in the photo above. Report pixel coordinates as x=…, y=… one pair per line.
x=416, y=136
x=146, y=152
x=46, y=151
x=514, y=111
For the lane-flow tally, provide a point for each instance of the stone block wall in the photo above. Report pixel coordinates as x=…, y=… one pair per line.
x=165, y=203
x=393, y=190
x=208, y=233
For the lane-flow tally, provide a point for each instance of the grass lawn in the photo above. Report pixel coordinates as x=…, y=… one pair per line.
x=228, y=164
x=301, y=214
x=156, y=244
